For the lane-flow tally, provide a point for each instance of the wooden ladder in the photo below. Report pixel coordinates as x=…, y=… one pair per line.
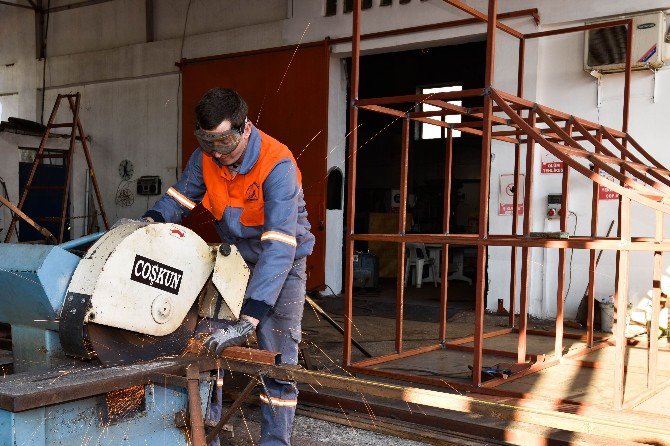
x=76, y=130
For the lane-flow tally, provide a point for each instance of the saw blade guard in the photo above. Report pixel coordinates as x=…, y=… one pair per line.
x=222, y=297
x=141, y=277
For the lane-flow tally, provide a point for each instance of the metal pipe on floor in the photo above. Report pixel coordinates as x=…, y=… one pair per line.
x=316, y=307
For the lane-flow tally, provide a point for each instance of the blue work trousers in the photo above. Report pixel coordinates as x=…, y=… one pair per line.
x=279, y=331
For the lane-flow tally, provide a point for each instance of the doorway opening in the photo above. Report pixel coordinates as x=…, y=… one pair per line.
x=421, y=71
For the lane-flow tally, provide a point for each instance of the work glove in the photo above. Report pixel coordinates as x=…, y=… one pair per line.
x=229, y=336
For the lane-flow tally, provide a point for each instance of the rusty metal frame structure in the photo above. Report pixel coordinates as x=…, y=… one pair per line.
x=579, y=144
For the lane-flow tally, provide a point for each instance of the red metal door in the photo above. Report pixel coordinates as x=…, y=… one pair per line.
x=287, y=93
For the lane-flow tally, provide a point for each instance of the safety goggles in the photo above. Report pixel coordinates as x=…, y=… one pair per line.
x=222, y=142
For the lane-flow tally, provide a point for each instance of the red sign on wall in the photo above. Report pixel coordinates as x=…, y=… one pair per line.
x=605, y=193
x=551, y=164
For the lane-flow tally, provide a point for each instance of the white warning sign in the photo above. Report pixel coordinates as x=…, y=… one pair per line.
x=506, y=197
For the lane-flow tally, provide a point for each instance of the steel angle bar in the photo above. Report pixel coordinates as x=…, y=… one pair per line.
x=571, y=163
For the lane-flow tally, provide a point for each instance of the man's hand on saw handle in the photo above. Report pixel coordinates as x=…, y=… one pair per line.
x=230, y=336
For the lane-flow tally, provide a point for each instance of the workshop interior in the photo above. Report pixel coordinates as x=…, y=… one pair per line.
x=475, y=220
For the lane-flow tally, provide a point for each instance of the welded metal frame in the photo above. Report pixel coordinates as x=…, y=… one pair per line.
x=646, y=182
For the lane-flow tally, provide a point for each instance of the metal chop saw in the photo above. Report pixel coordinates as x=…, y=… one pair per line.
x=134, y=297
x=138, y=292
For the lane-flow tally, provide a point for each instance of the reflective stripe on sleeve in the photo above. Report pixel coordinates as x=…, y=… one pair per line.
x=181, y=199
x=280, y=237
x=278, y=401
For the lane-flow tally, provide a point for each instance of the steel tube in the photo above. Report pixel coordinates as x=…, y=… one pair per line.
x=42, y=230
x=195, y=406
x=448, y=96
x=574, y=29
x=316, y=307
x=515, y=216
x=485, y=18
x=556, y=113
x=620, y=310
x=351, y=192
x=550, y=147
x=402, y=223
x=595, y=199
x=232, y=410
x=652, y=353
x=560, y=290
x=446, y=219
x=525, y=251
x=485, y=183
x=577, y=242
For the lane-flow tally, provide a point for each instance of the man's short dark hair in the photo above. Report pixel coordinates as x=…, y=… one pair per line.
x=218, y=105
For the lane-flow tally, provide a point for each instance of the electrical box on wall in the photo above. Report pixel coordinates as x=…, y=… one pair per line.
x=605, y=48
x=149, y=185
x=554, y=206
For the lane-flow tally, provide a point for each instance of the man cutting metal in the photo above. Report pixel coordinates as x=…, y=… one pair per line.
x=251, y=184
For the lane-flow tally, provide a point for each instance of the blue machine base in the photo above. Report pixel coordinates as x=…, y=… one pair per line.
x=82, y=422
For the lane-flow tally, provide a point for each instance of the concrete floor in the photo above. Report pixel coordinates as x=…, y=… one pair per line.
x=374, y=328
x=311, y=432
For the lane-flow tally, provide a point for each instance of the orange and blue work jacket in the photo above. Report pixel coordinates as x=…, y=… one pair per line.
x=260, y=208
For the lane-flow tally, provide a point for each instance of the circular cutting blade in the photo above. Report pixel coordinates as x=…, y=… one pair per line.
x=115, y=346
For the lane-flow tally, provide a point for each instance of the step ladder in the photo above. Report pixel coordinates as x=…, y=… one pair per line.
x=76, y=131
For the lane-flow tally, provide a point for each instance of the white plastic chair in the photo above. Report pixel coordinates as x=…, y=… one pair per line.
x=417, y=257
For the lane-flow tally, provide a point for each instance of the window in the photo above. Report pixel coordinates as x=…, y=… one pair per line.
x=349, y=5
x=429, y=131
x=385, y=2
x=334, y=189
x=331, y=8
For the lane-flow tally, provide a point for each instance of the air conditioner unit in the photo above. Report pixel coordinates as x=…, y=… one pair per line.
x=605, y=48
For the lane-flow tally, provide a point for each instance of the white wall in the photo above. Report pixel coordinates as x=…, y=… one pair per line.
x=131, y=97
